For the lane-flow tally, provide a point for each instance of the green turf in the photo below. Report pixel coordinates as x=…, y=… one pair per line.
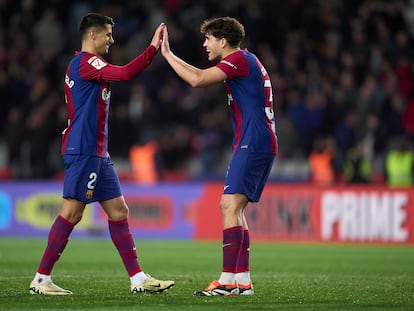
x=286, y=276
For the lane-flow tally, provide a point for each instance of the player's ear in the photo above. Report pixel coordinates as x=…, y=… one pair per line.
x=92, y=34
x=223, y=42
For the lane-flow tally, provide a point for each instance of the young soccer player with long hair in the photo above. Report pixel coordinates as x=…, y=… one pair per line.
x=250, y=102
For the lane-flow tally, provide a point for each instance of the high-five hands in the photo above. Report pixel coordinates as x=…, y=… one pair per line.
x=165, y=44
x=158, y=36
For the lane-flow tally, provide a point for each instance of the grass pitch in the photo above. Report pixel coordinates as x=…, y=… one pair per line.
x=286, y=276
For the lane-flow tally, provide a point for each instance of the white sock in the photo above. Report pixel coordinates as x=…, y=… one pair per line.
x=41, y=278
x=243, y=278
x=227, y=278
x=138, y=279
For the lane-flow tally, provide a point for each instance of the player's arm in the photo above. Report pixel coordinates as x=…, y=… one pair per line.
x=130, y=70
x=99, y=69
x=136, y=66
x=192, y=75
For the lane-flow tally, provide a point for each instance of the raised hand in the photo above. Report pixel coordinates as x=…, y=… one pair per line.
x=165, y=45
x=158, y=36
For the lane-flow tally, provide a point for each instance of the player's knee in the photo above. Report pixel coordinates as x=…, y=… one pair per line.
x=119, y=213
x=227, y=209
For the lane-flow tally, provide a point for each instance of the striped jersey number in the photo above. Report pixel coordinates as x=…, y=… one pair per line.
x=268, y=90
x=269, y=107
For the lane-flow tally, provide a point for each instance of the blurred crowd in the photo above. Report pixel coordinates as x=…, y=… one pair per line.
x=342, y=73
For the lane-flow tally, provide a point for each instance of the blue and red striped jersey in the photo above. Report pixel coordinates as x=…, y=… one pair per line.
x=250, y=100
x=87, y=94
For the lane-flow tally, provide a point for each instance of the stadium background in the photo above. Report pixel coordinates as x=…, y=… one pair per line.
x=342, y=74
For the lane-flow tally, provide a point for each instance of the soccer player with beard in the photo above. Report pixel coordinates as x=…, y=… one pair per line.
x=90, y=175
x=250, y=102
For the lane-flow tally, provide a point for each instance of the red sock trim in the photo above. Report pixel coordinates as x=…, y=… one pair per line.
x=66, y=221
x=233, y=229
x=118, y=222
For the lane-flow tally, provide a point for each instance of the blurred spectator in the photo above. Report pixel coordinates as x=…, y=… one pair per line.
x=321, y=163
x=121, y=126
x=393, y=115
x=144, y=162
x=13, y=132
x=48, y=35
x=408, y=120
x=346, y=131
x=36, y=145
x=357, y=166
x=399, y=166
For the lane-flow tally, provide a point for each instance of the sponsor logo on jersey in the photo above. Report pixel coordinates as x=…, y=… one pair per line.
x=97, y=63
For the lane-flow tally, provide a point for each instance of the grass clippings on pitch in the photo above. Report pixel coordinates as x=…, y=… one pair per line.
x=286, y=276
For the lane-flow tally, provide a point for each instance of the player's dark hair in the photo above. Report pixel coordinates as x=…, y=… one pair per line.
x=95, y=20
x=224, y=27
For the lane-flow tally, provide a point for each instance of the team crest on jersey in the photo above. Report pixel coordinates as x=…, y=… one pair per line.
x=89, y=194
x=106, y=95
x=96, y=62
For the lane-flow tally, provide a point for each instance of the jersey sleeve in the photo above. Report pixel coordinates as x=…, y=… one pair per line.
x=93, y=67
x=234, y=66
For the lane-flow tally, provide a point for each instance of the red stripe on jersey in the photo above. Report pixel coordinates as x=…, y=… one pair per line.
x=102, y=131
x=237, y=121
x=69, y=103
